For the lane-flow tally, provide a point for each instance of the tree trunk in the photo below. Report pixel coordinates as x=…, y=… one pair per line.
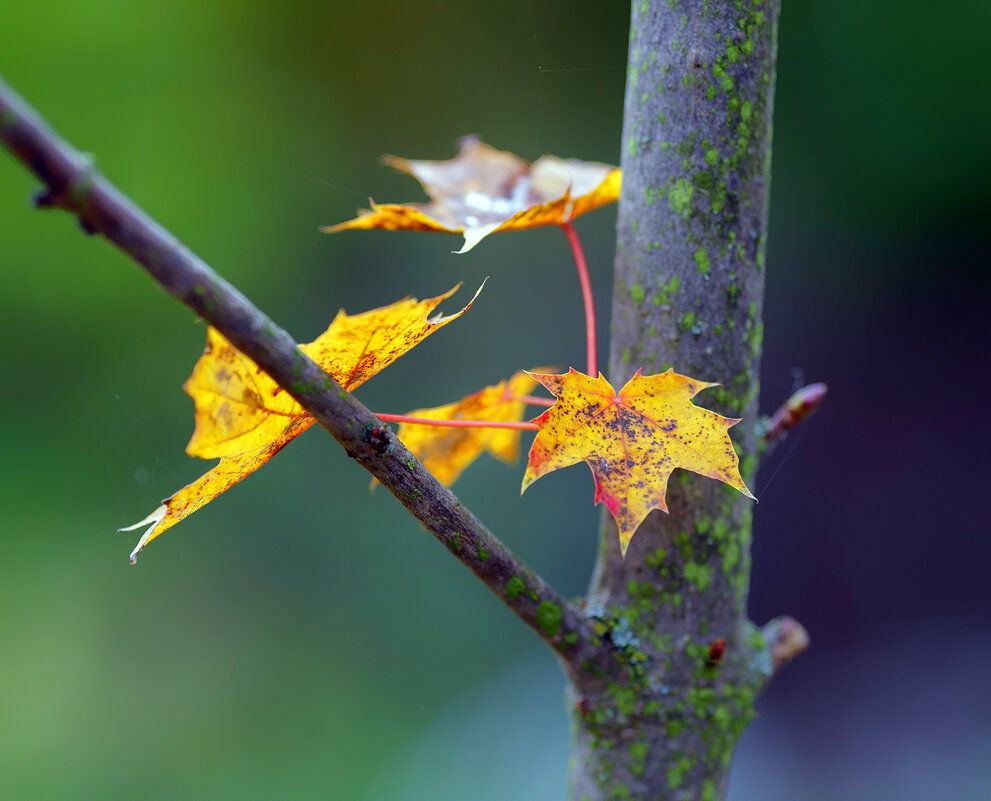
x=688, y=294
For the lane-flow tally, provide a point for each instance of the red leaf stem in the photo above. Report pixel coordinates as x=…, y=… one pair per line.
x=587, y=299
x=430, y=421
x=533, y=400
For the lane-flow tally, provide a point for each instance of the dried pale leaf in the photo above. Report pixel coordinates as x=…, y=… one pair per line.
x=245, y=418
x=632, y=440
x=446, y=452
x=483, y=190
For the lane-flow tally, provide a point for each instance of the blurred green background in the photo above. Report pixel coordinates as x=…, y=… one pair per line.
x=300, y=638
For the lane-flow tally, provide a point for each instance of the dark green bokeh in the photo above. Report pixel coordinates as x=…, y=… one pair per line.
x=295, y=637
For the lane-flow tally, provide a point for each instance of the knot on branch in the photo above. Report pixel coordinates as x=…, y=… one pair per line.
x=786, y=638
x=378, y=439
x=71, y=191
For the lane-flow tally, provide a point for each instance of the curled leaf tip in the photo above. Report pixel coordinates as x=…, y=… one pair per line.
x=440, y=318
x=151, y=521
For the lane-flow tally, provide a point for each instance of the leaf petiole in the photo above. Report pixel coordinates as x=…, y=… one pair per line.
x=431, y=421
x=533, y=400
x=587, y=299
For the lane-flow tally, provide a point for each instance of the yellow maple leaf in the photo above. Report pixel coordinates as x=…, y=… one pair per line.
x=632, y=440
x=244, y=418
x=483, y=190
x=446, y=452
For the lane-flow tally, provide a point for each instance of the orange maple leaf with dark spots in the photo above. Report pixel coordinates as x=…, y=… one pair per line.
x=632, y=440
x=483, y=190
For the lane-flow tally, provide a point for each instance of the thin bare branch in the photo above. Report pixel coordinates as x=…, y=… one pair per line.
x=72, y=183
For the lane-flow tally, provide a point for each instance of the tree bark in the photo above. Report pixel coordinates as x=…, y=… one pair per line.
x=688, y=294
